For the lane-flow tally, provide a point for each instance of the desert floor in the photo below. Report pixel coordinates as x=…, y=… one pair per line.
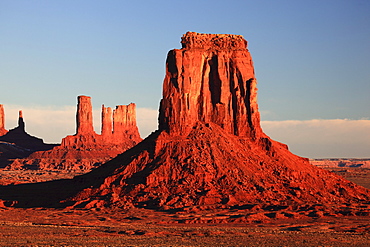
x=139, y=227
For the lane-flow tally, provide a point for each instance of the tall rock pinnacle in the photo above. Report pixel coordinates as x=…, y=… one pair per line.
x=21, y=124
x=3, y=131
x=84, y=117
x=107, y=124
x=211, y=79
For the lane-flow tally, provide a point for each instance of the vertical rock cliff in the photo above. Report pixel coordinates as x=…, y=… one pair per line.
x=84, y=116
x=106, y=122
x=3, y=131
x=211, y=79
x=124, y=123
x=210, y=150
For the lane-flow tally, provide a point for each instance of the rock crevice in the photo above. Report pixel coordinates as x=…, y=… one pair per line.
x=204, y=83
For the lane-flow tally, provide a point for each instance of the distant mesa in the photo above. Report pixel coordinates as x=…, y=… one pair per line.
x=341, y=162
x=86, y=149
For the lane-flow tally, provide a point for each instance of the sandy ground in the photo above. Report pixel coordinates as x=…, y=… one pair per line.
x=48, y=227
x=140, y=227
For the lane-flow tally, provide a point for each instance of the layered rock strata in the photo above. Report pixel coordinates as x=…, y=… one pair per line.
x=86, y=149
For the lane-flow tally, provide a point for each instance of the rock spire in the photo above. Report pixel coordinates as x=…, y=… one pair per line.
x=107, y=124
x=84, y=116
x=3, y=131
x=21, y=124
x=124, y=122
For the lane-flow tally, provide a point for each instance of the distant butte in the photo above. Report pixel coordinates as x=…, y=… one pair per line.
x=86, y=149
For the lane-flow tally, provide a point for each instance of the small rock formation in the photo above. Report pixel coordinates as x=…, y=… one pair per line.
x=86, y=149
x=21, y=138
x=209, y=150
x=3, y=131
x=85, y=136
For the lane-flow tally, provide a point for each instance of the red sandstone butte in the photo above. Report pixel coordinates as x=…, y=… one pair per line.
x=210, y=150
x=3, y=131
x=86, y=149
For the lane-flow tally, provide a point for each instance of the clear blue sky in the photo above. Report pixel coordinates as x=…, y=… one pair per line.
x=312, y=58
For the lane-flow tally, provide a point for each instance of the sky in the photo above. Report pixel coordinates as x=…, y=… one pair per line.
x=311, y=58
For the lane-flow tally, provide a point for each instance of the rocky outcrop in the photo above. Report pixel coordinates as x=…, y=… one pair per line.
x=211, y=79
x=86, y=149
x=3, y=131
x=84, y=116
x=124, y=123
x=85, y=136
x=209, y=150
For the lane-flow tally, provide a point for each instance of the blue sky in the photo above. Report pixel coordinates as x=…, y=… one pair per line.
x=312, y=58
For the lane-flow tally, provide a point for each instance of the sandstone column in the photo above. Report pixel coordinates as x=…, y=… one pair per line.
x=21, y=124
x=3, y=131
x=84, y=117
x=124, y=122
x=107, y=124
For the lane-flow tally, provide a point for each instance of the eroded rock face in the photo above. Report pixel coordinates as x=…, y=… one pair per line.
x=124, y=123
x=107, y=124
x=86, y=149
x=211, y=79
x=210, y=150
x=3, y=131
x=84, y=116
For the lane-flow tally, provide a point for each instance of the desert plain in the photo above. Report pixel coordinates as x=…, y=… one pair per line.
x=142, y=227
